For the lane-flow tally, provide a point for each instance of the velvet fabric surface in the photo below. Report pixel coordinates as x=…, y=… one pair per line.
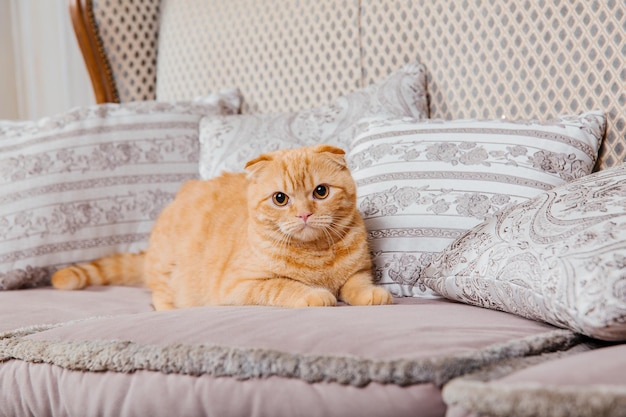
x=589, y=384
x=103, y=350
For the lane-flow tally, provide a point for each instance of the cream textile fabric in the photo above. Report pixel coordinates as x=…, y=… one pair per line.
x=422, y=184
x=227, y=143
x=128, y=32
x=91, y=181
x=557, y=258
x=485, y=59
x=283, y=55
x=511, y=59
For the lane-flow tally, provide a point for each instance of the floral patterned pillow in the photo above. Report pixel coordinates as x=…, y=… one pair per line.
x=227, y=143
x=91, y=181
x=559, y=258
x=423, y=184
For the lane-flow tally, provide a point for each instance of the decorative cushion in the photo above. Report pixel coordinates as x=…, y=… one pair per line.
x=91, y=181
x=248, y=360
x=559, y=257
x=422, y=185
x=227, y=143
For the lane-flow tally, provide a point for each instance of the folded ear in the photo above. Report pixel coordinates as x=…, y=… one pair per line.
x=337, y=155
x=329, y=148
x=255, y=165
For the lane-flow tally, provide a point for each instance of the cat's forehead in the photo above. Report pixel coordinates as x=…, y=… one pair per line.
x=303, y=174
x=298, y=169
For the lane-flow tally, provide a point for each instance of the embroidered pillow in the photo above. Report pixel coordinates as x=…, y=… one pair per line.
x=91, y=181
x=423, y=184
x=559, y=258
x=227, y=143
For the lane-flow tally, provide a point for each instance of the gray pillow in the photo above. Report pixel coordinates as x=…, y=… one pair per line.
x=227, y=143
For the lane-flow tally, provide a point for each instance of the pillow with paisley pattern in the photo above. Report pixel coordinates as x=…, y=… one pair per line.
x=422, y=184
x=559, y=257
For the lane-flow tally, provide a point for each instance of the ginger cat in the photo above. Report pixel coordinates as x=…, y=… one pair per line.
x=285, y=233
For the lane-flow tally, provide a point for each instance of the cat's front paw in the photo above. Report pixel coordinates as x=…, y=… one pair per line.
x=370, y=296
x=317, y=297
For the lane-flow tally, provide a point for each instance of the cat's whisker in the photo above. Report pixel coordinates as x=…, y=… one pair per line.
x=329, y=238
x=339, y=230
x=278, y=246
x=278, y=242
x=281, y=246
x=333, y=228
x=330, y=228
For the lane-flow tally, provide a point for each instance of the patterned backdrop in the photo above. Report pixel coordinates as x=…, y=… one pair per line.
x=486, y=59
x=508, y=58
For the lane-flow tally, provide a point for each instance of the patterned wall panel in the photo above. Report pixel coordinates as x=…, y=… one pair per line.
x=128, y=31
x=485, y=58
x=283, y=55
x=507, y=58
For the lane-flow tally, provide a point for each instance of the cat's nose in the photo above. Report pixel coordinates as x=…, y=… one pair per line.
x=304, y=216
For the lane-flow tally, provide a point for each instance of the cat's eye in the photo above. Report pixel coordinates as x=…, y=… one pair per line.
x=280, y=199
x=321, y=191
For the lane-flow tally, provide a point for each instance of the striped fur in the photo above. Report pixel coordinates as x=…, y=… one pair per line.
x=117, y=269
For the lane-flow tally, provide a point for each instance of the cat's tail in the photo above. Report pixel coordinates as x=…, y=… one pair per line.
x=116, y=269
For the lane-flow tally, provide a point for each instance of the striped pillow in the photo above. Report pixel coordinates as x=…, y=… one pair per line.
x=91, y=181
x=423, y=184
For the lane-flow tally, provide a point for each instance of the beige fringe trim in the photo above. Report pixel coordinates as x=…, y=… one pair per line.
x=246, y=363
x=535, y=400
x=481, y=394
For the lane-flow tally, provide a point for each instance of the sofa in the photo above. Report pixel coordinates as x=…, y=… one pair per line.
x=487, y=141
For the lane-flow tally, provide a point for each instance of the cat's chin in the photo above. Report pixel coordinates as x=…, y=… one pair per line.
x=307, y=234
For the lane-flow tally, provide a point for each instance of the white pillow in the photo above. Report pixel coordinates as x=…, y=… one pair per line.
x=227, y=143
x=423, y=184
x=91, y=181
x=559, y=258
